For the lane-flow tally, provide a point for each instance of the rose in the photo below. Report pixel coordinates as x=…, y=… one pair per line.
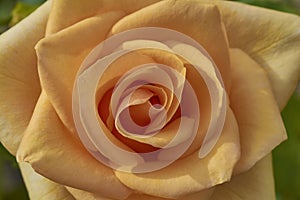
x=38, y=123
x=52, y=150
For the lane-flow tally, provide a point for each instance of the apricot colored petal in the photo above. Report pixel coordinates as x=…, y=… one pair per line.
x=68, y=12
x=52, y=151
x=83, y=195
x=41, y=188
x=272, y=38
x=203, y=195
x=60, y=56
x=258, y=116
x=204, y=25
x=190, y=174
x=257, y=183
x=19, y=82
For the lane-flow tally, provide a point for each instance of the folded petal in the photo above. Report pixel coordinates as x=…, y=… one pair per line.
x=60, y=56
x=19, y=82
x=257, y=183
x=202, y=22
x=52, y=151
x=272, y=38
x=41, y=188
x=68, y=12
x=83, y=195
x=190, y=174
x=254, y=105
x=203, y=195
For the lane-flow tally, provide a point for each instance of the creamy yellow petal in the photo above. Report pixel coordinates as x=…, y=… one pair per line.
x=272, y=38
x=258, y=116
x=68, y=12
x=202, y=22
x=19, y=82
x=53, y=152
x=191, y=174
x=41, y=188
x=60, y=56
x=257, y=183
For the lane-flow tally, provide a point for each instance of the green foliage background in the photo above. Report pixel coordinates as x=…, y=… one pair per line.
x=286, y=157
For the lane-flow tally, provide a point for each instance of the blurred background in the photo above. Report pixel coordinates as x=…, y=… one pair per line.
x=286, y=157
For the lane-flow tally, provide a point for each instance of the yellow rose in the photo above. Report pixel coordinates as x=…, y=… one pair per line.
x=45, y=62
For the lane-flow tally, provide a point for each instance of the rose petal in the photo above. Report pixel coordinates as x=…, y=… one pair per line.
x=68, y=12
x=140, y=102
x=153, y=74
x=129, y=61
x=108, y=81
x=272, y=38
x=19, y=82
x=191, y=174
x=168, y=133
x=83, y=195
x=203, y=195
x=40, y=187
x=204, y=25
x=258, y=116
x=60, y=56
x=52, y=152
x=257, y=183
x=133, y=59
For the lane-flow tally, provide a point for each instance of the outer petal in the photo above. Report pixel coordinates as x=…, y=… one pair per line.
x=60, y=56
x=202, y=195
x=258, y=116
x=52, y=152
x=19, y=82
x=68, y=12
x=202, y=22
x=257, y=183
x=40, y=188
x=272, y=38
x=83, y=195
x=190, y=174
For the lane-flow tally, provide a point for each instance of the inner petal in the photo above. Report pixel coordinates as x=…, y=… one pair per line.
x=125, y=89
x=105, y=116
x=142, y=100
x=140, y=106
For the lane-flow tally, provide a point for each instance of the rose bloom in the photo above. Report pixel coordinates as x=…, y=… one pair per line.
x=256, y=50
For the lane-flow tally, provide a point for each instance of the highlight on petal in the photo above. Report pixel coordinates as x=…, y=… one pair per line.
x=19, y=81
x=258, y=116
x=40, y=187
x=52, y=151
x=257, y=183
x=191, y=174
x=271, y=38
